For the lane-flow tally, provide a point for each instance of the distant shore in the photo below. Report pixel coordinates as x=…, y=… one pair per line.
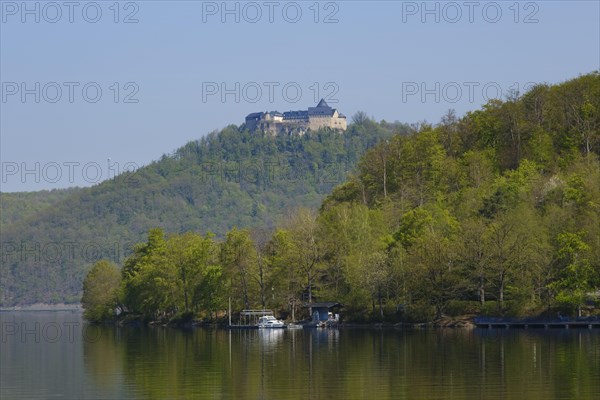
x=44, y=307
x=464, y=321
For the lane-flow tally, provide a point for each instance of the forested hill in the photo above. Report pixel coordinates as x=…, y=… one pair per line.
x=495, y=212
x=228, y=178
x=17, y=206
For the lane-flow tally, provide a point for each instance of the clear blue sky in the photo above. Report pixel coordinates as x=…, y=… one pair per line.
x=372, y=56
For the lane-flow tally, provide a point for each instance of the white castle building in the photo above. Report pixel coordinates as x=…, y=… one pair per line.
x=315, y=118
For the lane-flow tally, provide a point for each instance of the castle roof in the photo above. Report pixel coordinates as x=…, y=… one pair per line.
x=295, y=114
x=256, y=115
x=322, y=103
x=322, y=109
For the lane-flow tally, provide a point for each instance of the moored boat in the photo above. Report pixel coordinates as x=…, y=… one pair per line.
x=270, y=322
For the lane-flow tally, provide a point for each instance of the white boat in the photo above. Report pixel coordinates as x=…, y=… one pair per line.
x=270, y=322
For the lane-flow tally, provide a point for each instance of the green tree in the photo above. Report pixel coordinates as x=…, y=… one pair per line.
x=306, y=248
x=238, y=257
x=192, y=255
x=100, y=292
x=141, y=276
x=377, y=277
x=433, y=271
x=513, y=246
x=285, y=277
x=474, y=255
x=209, y=293
x=575, y=275
x=355, y=259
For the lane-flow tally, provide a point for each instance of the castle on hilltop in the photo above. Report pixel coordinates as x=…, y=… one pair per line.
x=290, y=122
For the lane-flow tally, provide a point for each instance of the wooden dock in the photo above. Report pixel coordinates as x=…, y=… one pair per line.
x=242, y=326
x=537, y=324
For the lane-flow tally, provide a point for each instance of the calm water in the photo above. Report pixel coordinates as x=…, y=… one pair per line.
x=47, y=355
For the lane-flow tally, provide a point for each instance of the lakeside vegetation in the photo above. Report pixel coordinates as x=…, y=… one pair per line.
x=494, y=213
x=228, y=178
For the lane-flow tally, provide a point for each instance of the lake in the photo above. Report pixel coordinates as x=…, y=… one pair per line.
x=55, y=355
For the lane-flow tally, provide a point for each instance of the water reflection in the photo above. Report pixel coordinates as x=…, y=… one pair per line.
x=298, y=364
x=269, y=338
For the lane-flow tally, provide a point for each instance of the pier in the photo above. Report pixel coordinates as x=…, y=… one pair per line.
x=248, y=319
x=564, y=323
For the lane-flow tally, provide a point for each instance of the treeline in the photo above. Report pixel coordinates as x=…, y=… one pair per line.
x=180, y=276
x=502, y=205
x=495, y=213
x=228, y=178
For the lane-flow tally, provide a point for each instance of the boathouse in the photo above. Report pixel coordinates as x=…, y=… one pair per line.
x=320, y=311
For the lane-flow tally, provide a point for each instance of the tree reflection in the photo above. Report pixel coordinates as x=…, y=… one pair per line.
x=349, y=364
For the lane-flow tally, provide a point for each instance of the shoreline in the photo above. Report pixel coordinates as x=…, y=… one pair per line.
x=44, y=307
x=459, y=322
